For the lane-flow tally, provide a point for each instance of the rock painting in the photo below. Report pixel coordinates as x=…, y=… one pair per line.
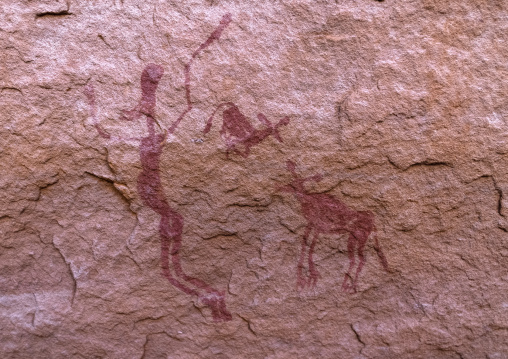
x=326, y=214
x=237, y=131
x=149, y=184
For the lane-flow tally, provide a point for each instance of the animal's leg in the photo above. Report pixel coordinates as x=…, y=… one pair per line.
x=351, y=244
x=246, y=152
x=313, y=272
x=380, y=253
x=283, y=122
x=301, y=282
x=361, y=256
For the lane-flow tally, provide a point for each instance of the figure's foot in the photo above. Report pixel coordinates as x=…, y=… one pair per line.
x=217, y=304
x=348, y=286
x=301, y=278
x=313, y=277
x=301, y=282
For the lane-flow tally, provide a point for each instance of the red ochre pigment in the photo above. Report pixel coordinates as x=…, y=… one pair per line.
x=149, y=182
x=237, y=130
x=326, y=214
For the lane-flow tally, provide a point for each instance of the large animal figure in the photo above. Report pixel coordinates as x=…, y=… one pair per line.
x=326, y=214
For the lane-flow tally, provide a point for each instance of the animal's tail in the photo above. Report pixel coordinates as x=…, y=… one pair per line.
x=283, y=122
x=380, y=253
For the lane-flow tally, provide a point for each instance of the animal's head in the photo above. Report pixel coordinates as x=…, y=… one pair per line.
x=296, y=185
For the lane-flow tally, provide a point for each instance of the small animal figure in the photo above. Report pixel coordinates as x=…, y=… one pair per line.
x=326, y=214
x=237, y=130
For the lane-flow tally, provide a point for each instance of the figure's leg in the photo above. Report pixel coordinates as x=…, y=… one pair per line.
x=212, y=298
x=165, y=250
x=300, y=281
x=351, y=244
x=313, y=272
x=177, y=266
x=174, y=230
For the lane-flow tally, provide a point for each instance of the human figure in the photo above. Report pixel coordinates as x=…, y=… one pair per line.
x=149, y=184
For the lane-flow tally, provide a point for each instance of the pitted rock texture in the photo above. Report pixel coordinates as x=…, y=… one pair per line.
x=133, y=224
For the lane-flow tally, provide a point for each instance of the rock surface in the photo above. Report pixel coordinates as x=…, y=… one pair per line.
x=129, y=235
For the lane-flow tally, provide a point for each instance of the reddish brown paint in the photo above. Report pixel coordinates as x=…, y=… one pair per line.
x=90, y=95
x=326, y=214
x=215, y=35
x=149, y=182
x=237, y=130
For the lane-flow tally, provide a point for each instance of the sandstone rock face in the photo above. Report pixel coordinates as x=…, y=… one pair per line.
x=273, y=179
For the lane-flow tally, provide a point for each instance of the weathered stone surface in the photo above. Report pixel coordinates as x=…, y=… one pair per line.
x=395, y=111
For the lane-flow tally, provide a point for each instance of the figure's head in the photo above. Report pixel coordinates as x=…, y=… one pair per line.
x=152, y=73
